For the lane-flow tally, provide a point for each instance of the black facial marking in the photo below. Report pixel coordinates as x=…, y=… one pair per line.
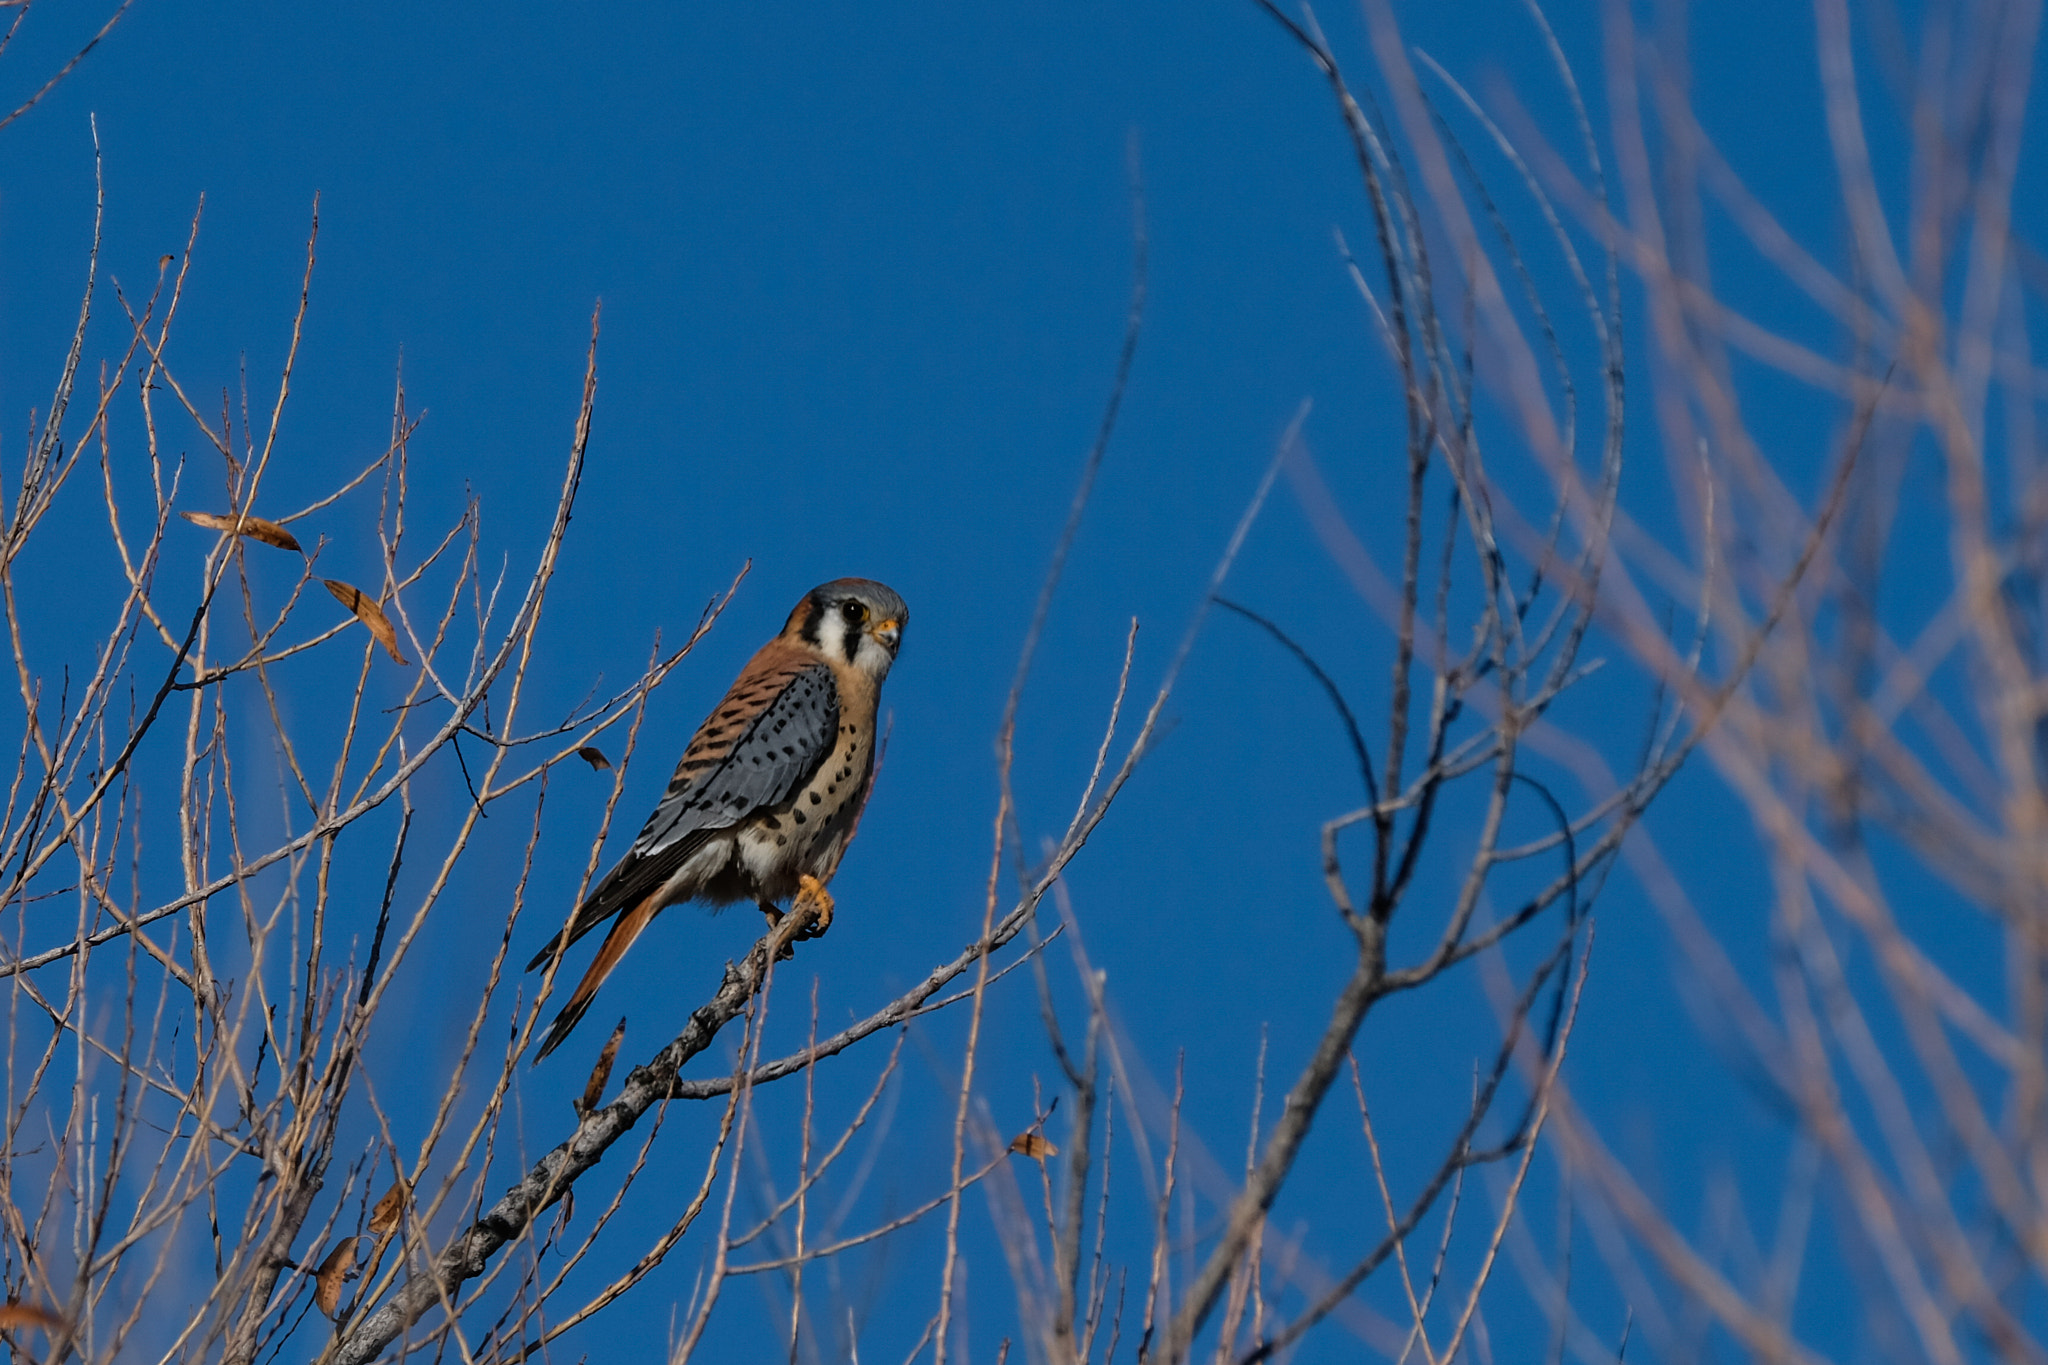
x=798, y=816
x=812, y=618
x=816, y=799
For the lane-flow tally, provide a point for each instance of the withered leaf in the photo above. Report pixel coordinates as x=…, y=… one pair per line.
x=370, y=614
x=1033, y=1145
x=594, y=756
x=337, y=1270
x=384, y=1216
x=255, y=528
x=13, y=1315
x=593, y=1089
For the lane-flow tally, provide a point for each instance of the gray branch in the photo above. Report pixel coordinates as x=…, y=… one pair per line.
x=467, y=1256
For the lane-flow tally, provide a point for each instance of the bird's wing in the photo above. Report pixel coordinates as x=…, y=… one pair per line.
x=740, y=763
x=772, y=731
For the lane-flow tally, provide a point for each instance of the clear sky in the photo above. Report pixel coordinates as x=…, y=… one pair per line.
x=864, y=271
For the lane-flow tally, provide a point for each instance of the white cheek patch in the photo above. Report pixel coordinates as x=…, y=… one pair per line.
x=832, y=636
x=874, y=659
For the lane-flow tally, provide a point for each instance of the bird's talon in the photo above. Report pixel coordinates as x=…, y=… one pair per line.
x=809, y=890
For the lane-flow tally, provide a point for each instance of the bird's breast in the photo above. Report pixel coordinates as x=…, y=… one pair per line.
x=808, y=833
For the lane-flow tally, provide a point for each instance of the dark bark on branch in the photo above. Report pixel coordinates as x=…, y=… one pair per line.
x=551, y=1177
x=275, y=1252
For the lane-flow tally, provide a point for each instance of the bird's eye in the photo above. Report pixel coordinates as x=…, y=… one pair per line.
x=854, y=612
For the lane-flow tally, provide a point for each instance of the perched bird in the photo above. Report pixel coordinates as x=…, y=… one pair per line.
x=766, y=797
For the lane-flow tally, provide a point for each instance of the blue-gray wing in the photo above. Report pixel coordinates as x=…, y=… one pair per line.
x=756, y=763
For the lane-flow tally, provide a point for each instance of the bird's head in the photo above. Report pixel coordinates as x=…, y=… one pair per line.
x=856, y=619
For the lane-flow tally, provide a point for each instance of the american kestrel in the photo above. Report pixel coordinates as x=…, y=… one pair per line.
x=766, y=797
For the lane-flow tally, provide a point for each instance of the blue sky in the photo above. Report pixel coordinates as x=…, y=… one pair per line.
x=864, y=272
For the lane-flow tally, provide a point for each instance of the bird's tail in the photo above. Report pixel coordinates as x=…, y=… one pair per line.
x=624, y=931
x=593, y=912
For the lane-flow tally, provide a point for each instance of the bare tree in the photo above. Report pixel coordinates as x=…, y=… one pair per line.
x=1487, y=611
x=187, y=1075
x=186, y=1039
x=1888, y=744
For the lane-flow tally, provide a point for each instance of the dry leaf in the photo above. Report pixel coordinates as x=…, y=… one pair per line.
x=593, y=1089
x=370, y=614
x=1033, y=1145
x=594, y=756
x=384, y=1217
x=13, y=1315
x=568, y=1205
x=255, y=528
x=337, y=1270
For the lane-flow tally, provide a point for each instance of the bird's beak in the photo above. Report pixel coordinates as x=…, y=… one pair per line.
x=888, y=632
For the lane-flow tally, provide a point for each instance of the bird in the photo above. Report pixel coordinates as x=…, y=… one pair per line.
x=767, y=796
